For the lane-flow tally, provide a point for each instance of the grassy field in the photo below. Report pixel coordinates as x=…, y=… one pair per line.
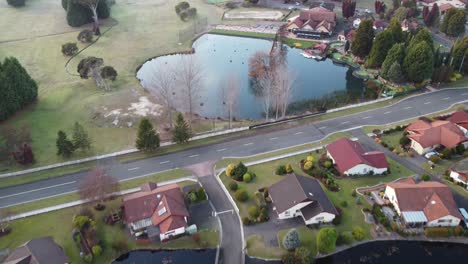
x=352, y=215
x=64, y=99
x=58, y=224
x=298, y=43
x=70, y=197
x=243, y=34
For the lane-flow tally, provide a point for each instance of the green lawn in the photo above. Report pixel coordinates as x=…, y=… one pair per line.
x=70, y=197
x=352, y=215
x=299, y=43
x=58, y=224
x=243, y=34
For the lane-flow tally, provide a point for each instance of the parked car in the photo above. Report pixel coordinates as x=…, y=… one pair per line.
x=430, y=154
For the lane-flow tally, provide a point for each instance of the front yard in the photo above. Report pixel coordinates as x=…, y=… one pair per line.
x=59, y=225
x=351, y=210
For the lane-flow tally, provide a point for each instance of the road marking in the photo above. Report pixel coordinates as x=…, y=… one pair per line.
x=367, y=117
x=223, y=212
x=387, y=112
x=446, y=98
x=162, y=162
x=322, y=127
x=345, y=122
x=219, y=150
x=136, y=168
x=427, y=102
x=298, y=133
x=40, y=189
x=408, y=107
x=193, y=156
x=273, y=138
x=248, y=144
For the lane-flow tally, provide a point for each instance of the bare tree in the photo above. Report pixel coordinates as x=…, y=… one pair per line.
x=284, y=89
x=92, y=5
x=97, y=185
x=267, y=86
x=190, y=78
x=162, y=85
x=262, y=71
x=229, y=95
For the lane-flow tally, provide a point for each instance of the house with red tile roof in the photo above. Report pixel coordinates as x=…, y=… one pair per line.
x=443, y=8
x=157, y=211
x=350, y=158
x=299, y=196
x=423, y=204
x=316, y=21
x=460, y=118
x=426, y=136
x=459, y=173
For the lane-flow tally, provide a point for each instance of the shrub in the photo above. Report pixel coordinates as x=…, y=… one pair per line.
x=264, y=214
x=16, y=3
x=465, y=154
x=435, y=159
x=291, y=240
x=308, y=165
x=310, y=158
x=108, y=72
x=97, y=250
x=326, y=240
x=247, y=177
x=260, y=199
x=196, y=238
x=281, y=170
x=245, y=221
x=289, y=168
x=354, y=193
x=241, y=195
x=437, y=232
x=358, y=233
x=327, y=164
x=344, y=204
x=192, y=196
x=338, y=217
x=289, y=258
x=425, y=177
x=302, y=255
x=88, y=258
x=233, y=186
x=404, y=141
x=81, y=221
x=239, y=171
x=447, y=153
x=86, y=36
x=230, y=170
x=201, y=195
x=345, y=238
x=254, y=212
x=69, y=49
x=181, y=7
x=460, y=149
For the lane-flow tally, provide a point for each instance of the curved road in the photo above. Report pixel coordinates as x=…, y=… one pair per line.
x=248, y=145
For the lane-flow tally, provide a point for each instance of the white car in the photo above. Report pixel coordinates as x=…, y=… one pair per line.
x=430, y=154
x=297, y=3
x=367, y=11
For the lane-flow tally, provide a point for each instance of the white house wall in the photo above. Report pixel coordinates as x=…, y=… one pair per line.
x=293, y=211
x=323, y=217
x=419, y=149
x=455, y=176
x=362, y=169
x=391, y=196
x=171, y=233
x=444, y=221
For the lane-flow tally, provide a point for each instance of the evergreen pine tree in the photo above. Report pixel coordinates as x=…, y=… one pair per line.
x=363, y=39
x=419, y=62
x=181, y=133
x=80, y=137
x=382, y=44
x=64, y=145
x=147, y=138
x=395, y=29
x=395, y=74
x=395, y=54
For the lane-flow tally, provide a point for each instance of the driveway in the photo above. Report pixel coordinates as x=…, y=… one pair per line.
x=270, y=229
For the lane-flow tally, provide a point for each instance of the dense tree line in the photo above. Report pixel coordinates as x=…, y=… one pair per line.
x=17, y=88
x=431, y=17
x=16, y=3
x=79, y=14
x=454, y=21
x=348, y=8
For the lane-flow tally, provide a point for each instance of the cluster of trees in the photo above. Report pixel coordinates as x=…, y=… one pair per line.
x=93, y=67
x=273, y=82
x=431, y=17
x=15, y=144
x=459, y=53
x=17, y=88
x=348, y=8
x=296, y=254
x=80, y=141
x=402, y=10
x=16, y=3
x=148, y=139
x=380, y=7
x=69, y=49
x=454, y=21
x=81, y=12
x=184, y=11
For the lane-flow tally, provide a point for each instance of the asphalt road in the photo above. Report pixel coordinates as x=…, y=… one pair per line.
x=248, y=145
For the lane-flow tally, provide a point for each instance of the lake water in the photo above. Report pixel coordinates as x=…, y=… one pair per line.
x=224, y=56
x=179, y=256
x=400, y=252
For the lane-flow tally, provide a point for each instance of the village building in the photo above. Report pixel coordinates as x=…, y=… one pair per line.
x=41, y=250
x=459, y=173
x=313, y=23
x=299, y=196
x=156, y=211
x=423, y=204
x=350, y=158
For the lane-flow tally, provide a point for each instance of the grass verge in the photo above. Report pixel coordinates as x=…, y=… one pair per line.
x=243, y=34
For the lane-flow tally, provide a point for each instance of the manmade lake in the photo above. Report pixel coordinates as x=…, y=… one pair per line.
x=221, y=57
